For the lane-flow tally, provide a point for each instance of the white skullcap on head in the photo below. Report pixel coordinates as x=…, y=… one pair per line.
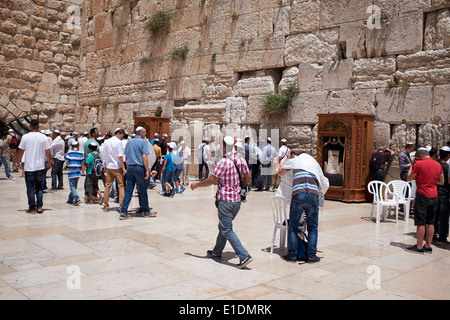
x=229, y=140
x=238, y=144
x=172, y=145
x=445, y=148
x=422, y=148
x=48, y=131
x=428, y=148
x=117, y=129
x=11, y=130
x=183, y=142
x=139, y=128
x=56, y=131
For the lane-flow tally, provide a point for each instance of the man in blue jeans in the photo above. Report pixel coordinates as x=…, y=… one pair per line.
x=228, y=200
x=136, y=154
x=37, y=150
x=308, y=188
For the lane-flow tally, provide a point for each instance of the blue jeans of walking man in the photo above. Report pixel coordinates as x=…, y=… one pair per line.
x=35, y=192
x=227, y=212
x=308, y=203
x=5, y=164
x=136, y=176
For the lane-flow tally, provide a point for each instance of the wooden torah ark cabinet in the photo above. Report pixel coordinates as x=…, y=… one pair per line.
x=344, y=147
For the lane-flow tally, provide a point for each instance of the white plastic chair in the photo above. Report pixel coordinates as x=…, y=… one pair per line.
x=403, y=190
x=383, y=198
x=280, y=211
x=376, y=188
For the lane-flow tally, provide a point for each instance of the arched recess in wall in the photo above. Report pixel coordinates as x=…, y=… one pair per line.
x=12, y=117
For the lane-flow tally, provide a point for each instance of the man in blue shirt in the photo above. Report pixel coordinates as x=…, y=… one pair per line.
x=136, y=154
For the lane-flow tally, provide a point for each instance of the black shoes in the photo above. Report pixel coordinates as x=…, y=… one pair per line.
x=244, y=262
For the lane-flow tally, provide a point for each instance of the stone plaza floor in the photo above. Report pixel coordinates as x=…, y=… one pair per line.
x=165, y=257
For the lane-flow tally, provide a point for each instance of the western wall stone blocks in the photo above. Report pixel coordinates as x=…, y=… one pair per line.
x=441, y=103
x=307, y=48
x=305, y=16
x=338, y=74
x=396, y=105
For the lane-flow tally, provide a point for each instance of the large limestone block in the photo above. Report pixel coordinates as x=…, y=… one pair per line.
x=435, y=135
x=255, y=84
x=305, y=16
x=301, y=138
x=333, y=13
x=337, y=75
x=289, y=77
x=309, y=77
x=401, y=135
x=401, y=34
x=235, y=110
x=307, y=48
x=441, y=103
x=257, y=60
x=381, y=134
x=373, y=72
x=354, y=34
x=306, y=106
x=437, y=30
x=352, y=101
x=255, y=112
x=396, y=105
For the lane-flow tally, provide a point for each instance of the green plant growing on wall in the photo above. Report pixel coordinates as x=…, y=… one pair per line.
x=158, y=111
x=143, y=61
x=277, y=103
x=181, y=51
x=159, y=21
x=398, y=82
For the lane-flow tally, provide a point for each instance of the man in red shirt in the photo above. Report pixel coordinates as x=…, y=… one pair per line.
x=428, y=174
x=228, y=199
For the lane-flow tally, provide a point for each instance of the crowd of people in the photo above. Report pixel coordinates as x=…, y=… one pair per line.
x=127, y=162
x=429, y=168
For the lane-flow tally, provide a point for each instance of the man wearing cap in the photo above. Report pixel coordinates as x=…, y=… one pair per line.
x=203, y=153
x=168, y=170
x=185, y=153
x=404, y=160
x=112, y=153
x=136, y=154
x=37, y=150
x=268, y=155
x=378, y=161
x=228, y=199
x=3, y=151
x=156, y=137
x=57, y=150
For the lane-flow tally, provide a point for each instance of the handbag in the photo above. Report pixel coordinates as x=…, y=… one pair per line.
x=244, y=190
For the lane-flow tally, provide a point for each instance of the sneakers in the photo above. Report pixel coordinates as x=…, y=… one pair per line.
x=288, y=258
x=76, y=202
x=244, y=262
x=30, y=211
x=212, y=255
x=123, y=216
x=12, y=179
x=313, y=259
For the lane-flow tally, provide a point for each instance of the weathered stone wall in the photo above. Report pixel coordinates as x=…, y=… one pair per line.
x=239, y=50
x=40, y=60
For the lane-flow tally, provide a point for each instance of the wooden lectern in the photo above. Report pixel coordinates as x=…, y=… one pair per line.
x=344, y=146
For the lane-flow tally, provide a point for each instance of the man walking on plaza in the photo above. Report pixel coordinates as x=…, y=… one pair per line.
x=428, y=174
x=228, y=199
x=12, y=144
x=3, y=151
x=136, y=154
x=36, y=148
x=309, y=186
x=57, y=151
x=441, y=223
x=114, y=166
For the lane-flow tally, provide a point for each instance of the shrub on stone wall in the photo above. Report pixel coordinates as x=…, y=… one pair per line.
x=159, y=21
x=276, y=103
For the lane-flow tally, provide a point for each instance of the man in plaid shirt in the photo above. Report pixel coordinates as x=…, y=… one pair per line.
x=228, y=199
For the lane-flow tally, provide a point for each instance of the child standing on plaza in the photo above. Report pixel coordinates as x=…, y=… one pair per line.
x=75, y=162
x=91, y=177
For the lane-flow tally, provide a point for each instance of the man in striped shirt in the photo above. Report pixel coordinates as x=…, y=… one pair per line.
x=75, y=161
x=308, y=188
x=228, y=199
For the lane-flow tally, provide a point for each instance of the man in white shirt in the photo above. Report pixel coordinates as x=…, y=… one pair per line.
x=268, y=155
x=57, y=151
x=185, y=152
x=112, y=154
x=203, y=152
x=37, y=150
